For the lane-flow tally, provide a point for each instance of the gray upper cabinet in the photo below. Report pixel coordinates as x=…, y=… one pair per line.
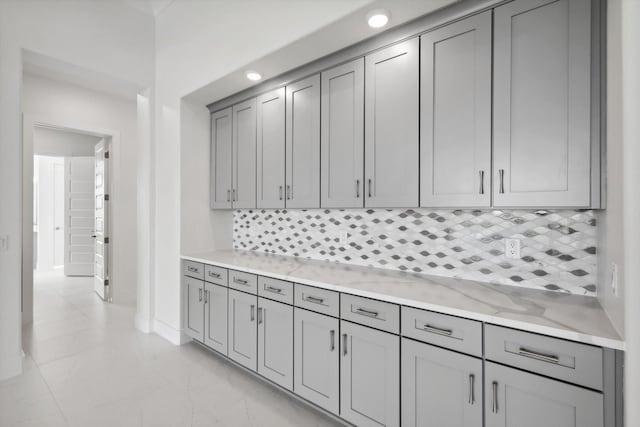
x=193, y=308
x=391, y=126
x=270, y=169
x=370, y=376
x=215, y=317
x=275, y=342
x=440, y=387
x=244, y=155
x=541, y=103
x=515, y=398
x=303, y=143
x=455, y=114
x=221, y=159
x=342, y=137
x=243, y=338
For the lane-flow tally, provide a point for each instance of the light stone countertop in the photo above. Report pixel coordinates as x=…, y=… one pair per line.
x=573, y=317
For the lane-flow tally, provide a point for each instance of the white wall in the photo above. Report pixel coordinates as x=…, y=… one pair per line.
x=54, y=142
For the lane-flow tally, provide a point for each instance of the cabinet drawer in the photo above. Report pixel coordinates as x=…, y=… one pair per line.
x=451, y=332
x=553, y=357
x=275, y=289
x=316, y=299
x=217, y=275
x=193, y=269
x=245, y=282
x=370, y=312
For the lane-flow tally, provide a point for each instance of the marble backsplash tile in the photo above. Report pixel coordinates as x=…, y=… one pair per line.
x=558, y=248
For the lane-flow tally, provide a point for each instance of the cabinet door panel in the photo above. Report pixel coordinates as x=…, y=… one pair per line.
x=215, y=317
x=221, y=159
x=456, y=114
x=316, y=359
x=440, y=388
x=193, y=308
x=303, y=143
x=244, y=155
x=519, y=399
x=342, y=167
x=275, y=342
x=370, y=376
x=270, y=116
x=542, y=103
x=391, y=126
x=242, y=328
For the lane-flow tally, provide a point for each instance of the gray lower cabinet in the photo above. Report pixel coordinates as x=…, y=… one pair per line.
x=270, y=131
x=455, y=114
x=215, y=317
x=221, y=159
x=370, y=376
x=243, y=192
x=440, y=388
x=275, y=342
x=243, y=339
x=303, y=143
x=342, y=136
x=542, y=104
x=515, y=398
x=193, y=308
x=316, y=359
x=391, y=126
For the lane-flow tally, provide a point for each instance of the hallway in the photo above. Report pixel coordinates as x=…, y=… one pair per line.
x=87, y=366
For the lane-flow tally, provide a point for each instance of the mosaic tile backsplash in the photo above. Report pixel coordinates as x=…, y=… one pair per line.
x=558, y=248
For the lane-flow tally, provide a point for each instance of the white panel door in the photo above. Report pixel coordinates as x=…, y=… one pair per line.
x=243, y=339
x=270, y=116
x=101, y=233
x=542, y=104
x=370, y=376
x=275, y=342
x=455, y=114
x=244, y=155
x=221, y=159
x=303, y=143
x=391, y=126
x=215, y=317
x=342, y=136
x=58, y=212
x=79, y=213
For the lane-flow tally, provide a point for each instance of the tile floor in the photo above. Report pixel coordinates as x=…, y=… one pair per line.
x=87, y=366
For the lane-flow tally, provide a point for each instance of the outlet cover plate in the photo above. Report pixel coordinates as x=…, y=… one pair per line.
x=512, y=248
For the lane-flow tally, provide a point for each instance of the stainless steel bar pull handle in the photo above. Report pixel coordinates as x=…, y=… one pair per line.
x=481, y=182
x=253, y=309
x=200, y=294
x=332, y=338
x=501, y=173
x=314, y=300
x=273, y=289
x=206, y=296
x=192, y=269
x=369, y=187
x=436, y=330
x=551, y=358
x=366, y=312
x=235, y=199
x=280, y=192
x=344, y=344
x=494, y=397
x=212, y=274
x=472, y=397
x=260, y=315
x=357, y=188
x=228, y=195
x=239, y=281
x=289, y=193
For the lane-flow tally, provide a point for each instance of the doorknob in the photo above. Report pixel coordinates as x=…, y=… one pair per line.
x=58, y=228
x=94, y=236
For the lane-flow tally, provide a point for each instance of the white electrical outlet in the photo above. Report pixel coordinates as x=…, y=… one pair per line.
x=512, y=248
x=614, y=278
x=4, y=243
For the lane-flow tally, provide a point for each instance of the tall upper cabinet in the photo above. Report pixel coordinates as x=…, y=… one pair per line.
x=342, y=168
x=221, y=159
x=455, y=114
x=271, y=149
x=391, y=126
x=542, y=104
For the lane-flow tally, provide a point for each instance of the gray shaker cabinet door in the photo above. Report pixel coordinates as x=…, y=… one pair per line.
x=542, y=103
x=440, y=388
x=215, y=317
x=455, y=114
x=303, y=143
x=515, y=398
x=275, y=342
x=370, y=376
x=193, y=308
x=221, y=159
x=244, y=155
x=342, y=154
x=391, y=126
x=243, y=332
x=316, y=359
x=270, y=116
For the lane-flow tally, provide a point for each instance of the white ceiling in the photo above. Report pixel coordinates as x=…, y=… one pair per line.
x=150, y=7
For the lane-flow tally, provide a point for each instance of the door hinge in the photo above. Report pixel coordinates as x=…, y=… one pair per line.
x=106, y=240
x=106, y=154
x=106, y=282
x=106, y=197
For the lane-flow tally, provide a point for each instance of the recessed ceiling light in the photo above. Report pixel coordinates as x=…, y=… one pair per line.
x=253, y=76
x=378, y=18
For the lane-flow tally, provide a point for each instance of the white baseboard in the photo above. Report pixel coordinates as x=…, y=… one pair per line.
x=143, y=323
x=171, y=334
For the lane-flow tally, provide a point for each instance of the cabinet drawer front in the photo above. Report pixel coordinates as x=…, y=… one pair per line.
x=245, y=282
x=193, y=269
x=275, y=289
x=553, y=357
x=452, y=332
x=369, y=312
x=316, y=299
x=217, y=275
